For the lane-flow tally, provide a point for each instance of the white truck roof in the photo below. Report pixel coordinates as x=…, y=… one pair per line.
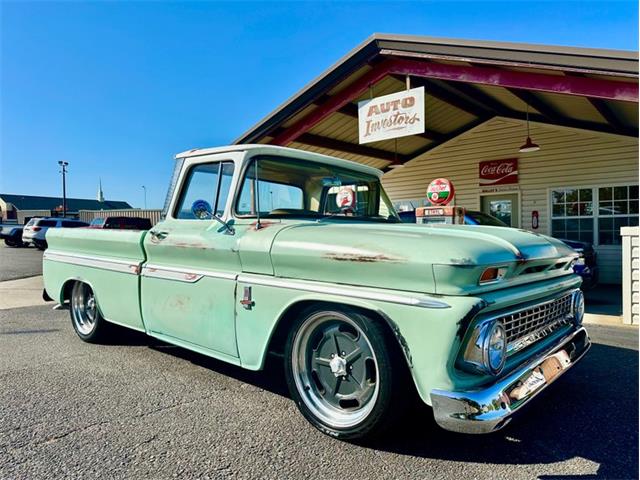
x=285, y=152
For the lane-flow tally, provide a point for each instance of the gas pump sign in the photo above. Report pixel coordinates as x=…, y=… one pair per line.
x=440, y=191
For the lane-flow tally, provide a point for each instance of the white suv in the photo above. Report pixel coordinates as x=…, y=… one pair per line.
x=36, y=229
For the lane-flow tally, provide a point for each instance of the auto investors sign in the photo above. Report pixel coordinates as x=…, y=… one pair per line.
x=391, y=116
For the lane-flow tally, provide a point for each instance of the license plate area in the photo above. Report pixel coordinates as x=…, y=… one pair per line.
x=540, y=376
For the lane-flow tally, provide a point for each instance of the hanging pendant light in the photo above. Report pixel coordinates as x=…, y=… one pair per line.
x=529, y=146
x=396, y=163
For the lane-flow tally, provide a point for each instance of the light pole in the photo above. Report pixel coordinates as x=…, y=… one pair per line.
x=64, y=166
x=145, y=196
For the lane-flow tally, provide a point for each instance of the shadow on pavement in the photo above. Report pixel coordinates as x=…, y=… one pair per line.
x=590, y=413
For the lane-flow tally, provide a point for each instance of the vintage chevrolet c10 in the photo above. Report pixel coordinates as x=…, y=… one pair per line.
x=268, y=249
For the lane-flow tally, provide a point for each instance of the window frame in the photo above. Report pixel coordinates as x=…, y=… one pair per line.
x=186, y=180
x=595, y=189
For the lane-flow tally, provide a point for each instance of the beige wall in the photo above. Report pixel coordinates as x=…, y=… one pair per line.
x=567, y=158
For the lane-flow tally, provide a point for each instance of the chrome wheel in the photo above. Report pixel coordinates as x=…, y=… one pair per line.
x=335, y=369
x=84, y=310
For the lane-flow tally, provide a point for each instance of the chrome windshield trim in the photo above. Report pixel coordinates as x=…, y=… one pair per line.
x=182, y=274
x=94, y=261
x=343, y=291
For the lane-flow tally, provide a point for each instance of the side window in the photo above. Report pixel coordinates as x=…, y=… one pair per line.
x=210, y=182
x=47, y=223
x=270, y=195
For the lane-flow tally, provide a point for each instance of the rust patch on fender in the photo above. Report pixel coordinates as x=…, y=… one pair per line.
x=363, y=258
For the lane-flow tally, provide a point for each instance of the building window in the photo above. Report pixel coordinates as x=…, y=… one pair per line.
x=593, y=215
x=572, y=212
x=617, y=207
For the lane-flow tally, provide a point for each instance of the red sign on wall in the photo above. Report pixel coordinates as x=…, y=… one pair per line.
x=498, y=172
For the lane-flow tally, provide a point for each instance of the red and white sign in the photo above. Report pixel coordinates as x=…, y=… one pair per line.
x=498, y=172
x=346, y=198
x=391, y=116
x=440, y=191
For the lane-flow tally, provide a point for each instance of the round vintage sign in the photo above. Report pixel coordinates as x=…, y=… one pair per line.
x=346, y=198
x=440, y=191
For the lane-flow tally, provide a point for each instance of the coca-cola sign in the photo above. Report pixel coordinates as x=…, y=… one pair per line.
x=498, y=172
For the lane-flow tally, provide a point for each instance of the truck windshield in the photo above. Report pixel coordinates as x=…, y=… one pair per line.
x=286, y=187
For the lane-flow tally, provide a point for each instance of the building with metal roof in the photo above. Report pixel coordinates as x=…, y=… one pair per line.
x=578, y=106
x=20, y=207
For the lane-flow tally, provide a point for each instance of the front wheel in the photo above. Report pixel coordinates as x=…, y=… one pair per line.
x=344, y=372
x=85, y=315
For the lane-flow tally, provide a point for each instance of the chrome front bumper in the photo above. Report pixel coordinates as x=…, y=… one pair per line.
x=491, y=408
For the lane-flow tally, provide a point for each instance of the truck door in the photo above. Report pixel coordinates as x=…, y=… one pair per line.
x=189, y=280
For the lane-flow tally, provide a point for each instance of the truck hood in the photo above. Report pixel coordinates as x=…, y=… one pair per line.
x=421, y=258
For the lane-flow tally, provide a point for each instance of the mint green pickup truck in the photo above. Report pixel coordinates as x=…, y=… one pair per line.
x=267, y=249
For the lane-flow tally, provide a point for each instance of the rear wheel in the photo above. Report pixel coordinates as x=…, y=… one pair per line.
x=344, y=373
x=85, y=315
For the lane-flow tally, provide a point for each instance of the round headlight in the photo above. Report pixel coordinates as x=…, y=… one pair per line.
x=577, y=307
x=496, y=347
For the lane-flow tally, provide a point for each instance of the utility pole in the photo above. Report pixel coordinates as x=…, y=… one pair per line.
x=64, y=166
x=145, y=196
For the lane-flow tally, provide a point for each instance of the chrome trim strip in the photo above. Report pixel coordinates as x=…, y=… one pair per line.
x=343, y=291
x=183, y=274
x=489, y=409
x=94, y=261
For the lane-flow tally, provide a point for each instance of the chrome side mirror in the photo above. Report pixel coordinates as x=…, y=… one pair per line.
x=203, y=211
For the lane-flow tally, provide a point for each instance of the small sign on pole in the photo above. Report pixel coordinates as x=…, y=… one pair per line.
x=391, y=116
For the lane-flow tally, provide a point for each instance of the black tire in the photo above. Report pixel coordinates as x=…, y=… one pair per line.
x=86, y=319
x=11, y=243
x=335, y=412
x=41, y=245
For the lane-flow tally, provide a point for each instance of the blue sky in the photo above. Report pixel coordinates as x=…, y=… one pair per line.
x=117, y=88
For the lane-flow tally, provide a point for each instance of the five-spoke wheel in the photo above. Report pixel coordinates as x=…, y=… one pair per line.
x=339, y=371
x=85, y=315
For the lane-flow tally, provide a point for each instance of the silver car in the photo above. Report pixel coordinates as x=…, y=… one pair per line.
x=35, y=230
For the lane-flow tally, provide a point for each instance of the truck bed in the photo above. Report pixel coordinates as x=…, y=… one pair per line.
x=108, y=260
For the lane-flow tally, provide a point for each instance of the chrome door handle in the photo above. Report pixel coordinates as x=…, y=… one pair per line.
x=158, y=236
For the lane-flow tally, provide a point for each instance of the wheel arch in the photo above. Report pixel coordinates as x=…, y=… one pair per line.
x=288, y=314
x=67, y=287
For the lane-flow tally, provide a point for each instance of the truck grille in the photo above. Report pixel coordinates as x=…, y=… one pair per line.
x=527, y=326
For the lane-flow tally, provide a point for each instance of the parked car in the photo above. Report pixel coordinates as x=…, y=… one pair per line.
x=586, y=265
x=269, y=249
x=12, y=235
x=36, y=229
x=121, y=223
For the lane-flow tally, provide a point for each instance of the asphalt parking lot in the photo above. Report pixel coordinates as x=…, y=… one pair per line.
x=142, y=409
x=19, y=262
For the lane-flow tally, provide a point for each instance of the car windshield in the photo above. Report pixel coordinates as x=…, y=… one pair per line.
x=480, y=218
x=97, y=222
x=284, y=187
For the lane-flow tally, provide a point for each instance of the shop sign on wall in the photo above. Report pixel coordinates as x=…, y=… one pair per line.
x=498, y=172
x=391, y=116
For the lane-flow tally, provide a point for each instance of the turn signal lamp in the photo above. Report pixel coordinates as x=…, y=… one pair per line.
x=492, y=274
